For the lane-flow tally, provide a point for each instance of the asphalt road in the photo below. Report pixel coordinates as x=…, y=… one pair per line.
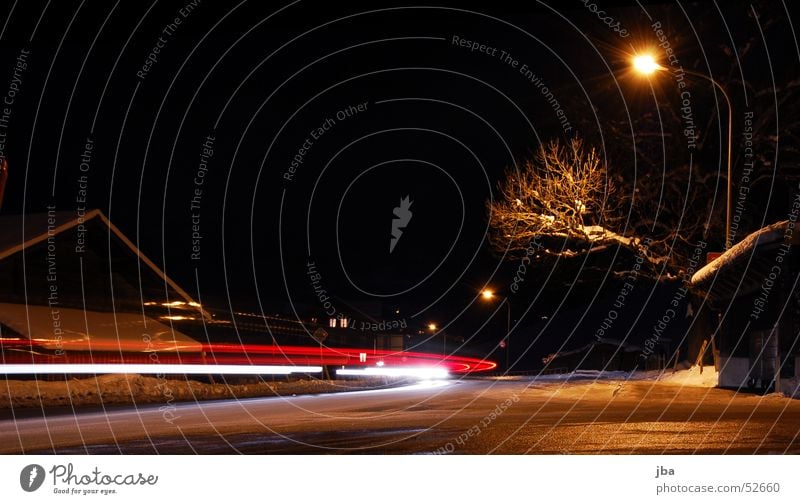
x=471, y=416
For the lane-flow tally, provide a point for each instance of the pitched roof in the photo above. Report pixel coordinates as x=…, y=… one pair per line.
x=741, y=269
x=21, y=232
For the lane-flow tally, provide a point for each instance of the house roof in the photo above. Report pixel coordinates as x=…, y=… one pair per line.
x=741, y=269
x=21, y=232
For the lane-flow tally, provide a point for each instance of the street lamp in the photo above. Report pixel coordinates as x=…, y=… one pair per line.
x=646, y=64
x=432, y=327
x=488, y=295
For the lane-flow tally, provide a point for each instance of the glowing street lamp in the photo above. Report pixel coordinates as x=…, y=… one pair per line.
x=487, y=294
x=646, y=64
x=433, y=327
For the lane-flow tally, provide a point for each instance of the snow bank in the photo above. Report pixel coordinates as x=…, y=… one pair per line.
x=691, y=377
x=127, y=389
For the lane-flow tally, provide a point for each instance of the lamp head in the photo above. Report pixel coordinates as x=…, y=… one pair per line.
x=645, y=64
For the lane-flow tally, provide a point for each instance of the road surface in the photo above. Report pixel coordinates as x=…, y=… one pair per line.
x=469, y=416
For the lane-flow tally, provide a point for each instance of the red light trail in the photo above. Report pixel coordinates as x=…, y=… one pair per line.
x=23, y=351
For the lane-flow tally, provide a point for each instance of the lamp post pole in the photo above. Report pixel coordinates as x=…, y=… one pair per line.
x=432, y=327
x=488, y=295
x=645, y=64
x=508, y=333
x=729, y=200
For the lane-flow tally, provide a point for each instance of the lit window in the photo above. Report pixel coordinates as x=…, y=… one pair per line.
x=332, y=322
x=344, y=322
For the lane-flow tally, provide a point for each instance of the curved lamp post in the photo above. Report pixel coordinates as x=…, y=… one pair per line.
x=489, y=295
x=645, y=64
x=433, y=327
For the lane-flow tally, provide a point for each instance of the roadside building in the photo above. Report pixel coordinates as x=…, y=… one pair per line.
x=752, y=290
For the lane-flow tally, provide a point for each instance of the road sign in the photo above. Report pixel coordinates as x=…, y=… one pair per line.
x=319, y=335
x=710, y=256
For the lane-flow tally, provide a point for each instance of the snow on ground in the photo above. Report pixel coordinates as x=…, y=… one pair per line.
x=579, y=375
x=692, y=377
x=125, y=389
x=583, y=385
x=608, y=384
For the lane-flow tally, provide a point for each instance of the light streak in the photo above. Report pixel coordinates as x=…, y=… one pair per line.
x=16, y=369
x=423, y=373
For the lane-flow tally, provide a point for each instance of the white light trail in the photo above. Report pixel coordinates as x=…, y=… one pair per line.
x=423, y=373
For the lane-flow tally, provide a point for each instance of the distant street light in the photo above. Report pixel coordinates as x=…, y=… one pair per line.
x=646, y=64
x=432, y=327
x=488, y=295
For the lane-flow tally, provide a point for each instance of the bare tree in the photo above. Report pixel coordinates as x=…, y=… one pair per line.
x=563, y=201
x=562, y=193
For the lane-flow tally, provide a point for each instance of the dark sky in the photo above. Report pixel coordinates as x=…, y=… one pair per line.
x=439, y=123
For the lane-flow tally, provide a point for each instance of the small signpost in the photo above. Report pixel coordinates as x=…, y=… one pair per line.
x=319, y=335
x=711, y=256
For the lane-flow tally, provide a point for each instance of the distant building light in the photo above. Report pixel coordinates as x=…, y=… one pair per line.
x=332, y=322
x=173, y=304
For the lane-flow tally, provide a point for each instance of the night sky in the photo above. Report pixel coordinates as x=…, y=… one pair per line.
x=196, y=111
